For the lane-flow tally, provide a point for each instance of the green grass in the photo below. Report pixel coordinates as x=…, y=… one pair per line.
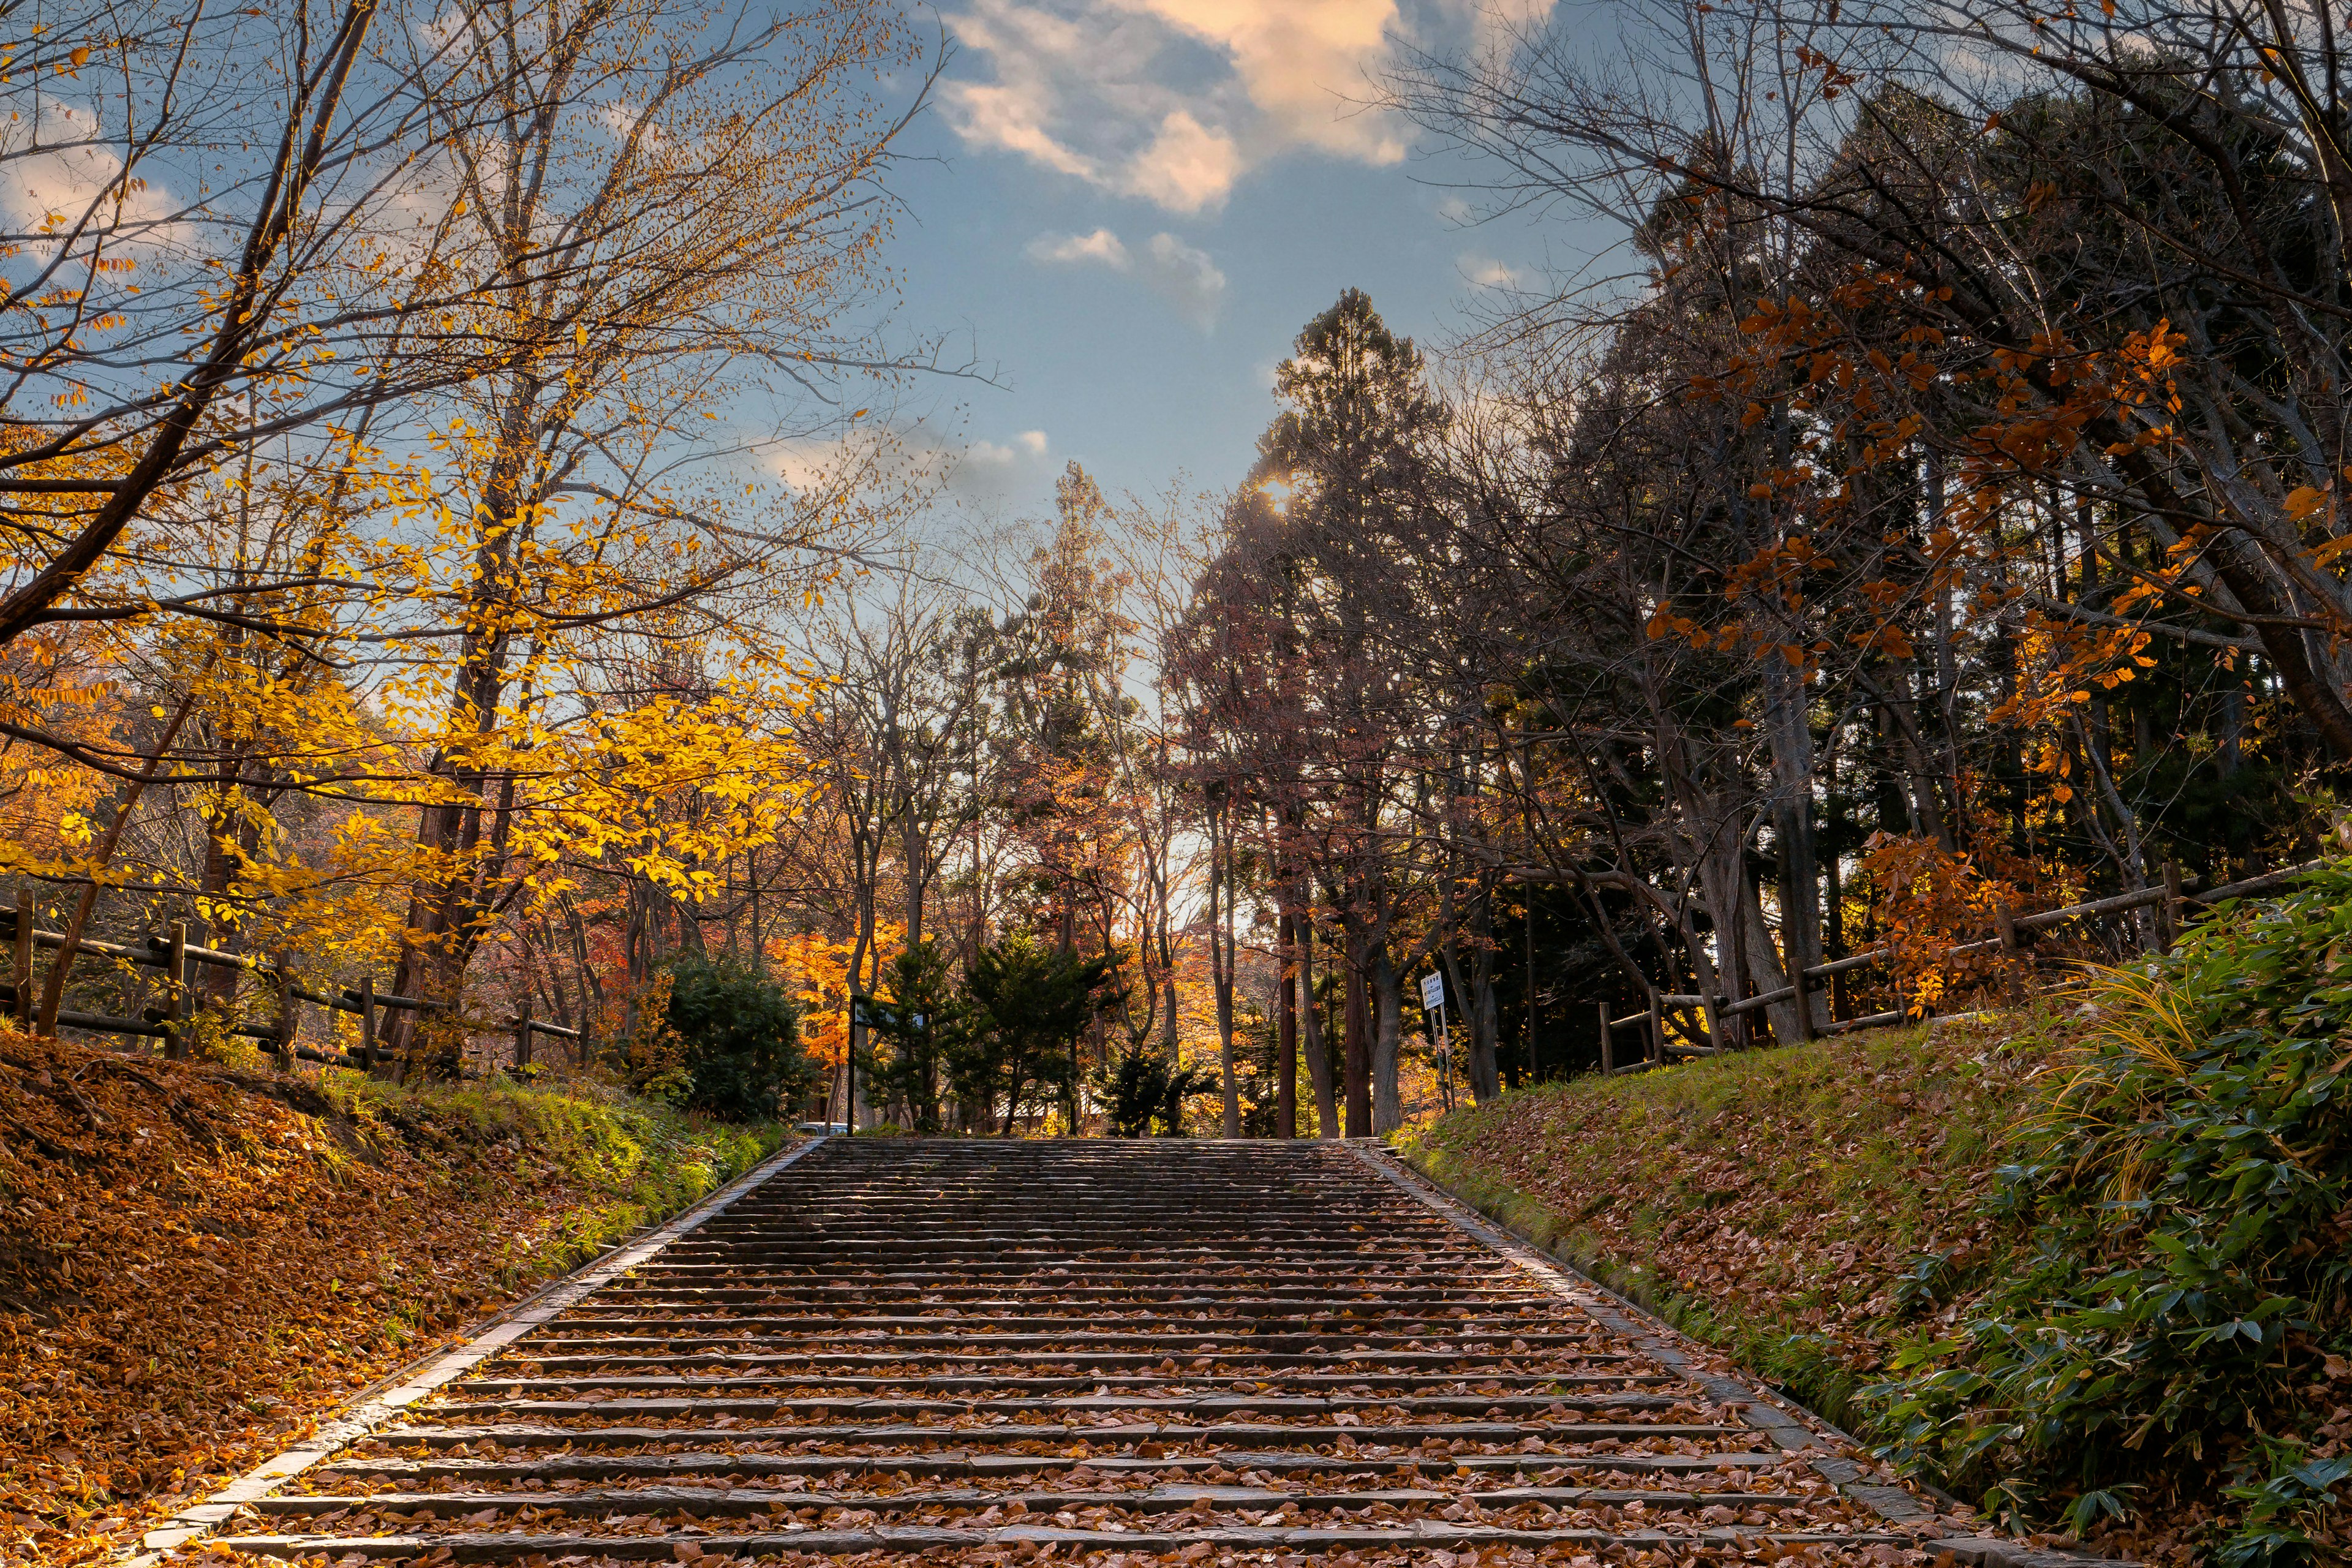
x=1803, y=1209
x=620, y=1163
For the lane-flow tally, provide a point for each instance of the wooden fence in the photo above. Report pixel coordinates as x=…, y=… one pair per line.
x=173, y=952
x=2170, y=901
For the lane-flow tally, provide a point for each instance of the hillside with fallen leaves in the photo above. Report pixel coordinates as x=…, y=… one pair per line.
x=1820, y=1212
x=1774, y=1203
x=196, y=1264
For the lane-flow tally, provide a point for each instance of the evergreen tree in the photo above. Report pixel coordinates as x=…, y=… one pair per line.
x=918, y=1027
x=1030, y=1005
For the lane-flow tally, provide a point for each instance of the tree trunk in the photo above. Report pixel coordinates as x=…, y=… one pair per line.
x=1359, y=1054
x=52, y=988
x=1285, y=1104
x=1792, y=738
x=1316, y=1043
x=1221, y=962
x=1388, y=1040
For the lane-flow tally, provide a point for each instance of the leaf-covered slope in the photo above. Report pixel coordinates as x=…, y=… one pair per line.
x=195, y=1263
x=1776, y=1203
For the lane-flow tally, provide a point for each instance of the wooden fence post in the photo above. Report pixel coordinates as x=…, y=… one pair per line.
x=2169, y=917
x=367, y=1021
x=23, y=968
x=289, y=1020
x=1608, y=1040
x=1805, y=1030
x=2006, y=925
x=523, y=1040
x=175, y=994
x=1657, y=1029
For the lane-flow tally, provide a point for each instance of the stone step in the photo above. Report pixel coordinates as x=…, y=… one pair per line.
x=920, y=1348
x=725, y=1502
x=594, y=1464
x=908, y=1540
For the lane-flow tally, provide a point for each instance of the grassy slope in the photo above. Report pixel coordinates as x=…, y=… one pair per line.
x=1778, y=1202
x=195, y=1263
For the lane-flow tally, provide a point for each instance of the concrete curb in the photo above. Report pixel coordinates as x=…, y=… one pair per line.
x=371, y=1408
x=1794, y=1428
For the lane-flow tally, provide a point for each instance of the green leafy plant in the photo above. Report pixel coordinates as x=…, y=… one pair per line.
x=915, y=1031
x=1144, y=1094
x=1030, y=1003
x=2182, y=1198
x=739, y=1035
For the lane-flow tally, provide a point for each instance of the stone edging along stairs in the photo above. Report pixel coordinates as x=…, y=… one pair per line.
x=994, y=1350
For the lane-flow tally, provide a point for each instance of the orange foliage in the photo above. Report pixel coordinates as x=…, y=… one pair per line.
x=194, y=1266
x=816, y=973
x=1930, y=901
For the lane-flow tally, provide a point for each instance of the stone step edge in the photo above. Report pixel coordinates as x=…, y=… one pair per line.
x=587, y=1463
x=466, y=1547
x=720, y=1501
x=373, y=1408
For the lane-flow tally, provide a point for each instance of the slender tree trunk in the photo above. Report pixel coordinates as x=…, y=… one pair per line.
x=1221, y=960
x=54, y=989
x=1310, y=1018
x=1286, y=1114
x=1791, y=739
x=1359, y=1054
x=1388, y=1040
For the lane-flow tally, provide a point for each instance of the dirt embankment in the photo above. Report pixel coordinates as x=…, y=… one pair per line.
x=195, y=1263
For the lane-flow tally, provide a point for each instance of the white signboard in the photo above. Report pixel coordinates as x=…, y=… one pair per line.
x=1432, y=991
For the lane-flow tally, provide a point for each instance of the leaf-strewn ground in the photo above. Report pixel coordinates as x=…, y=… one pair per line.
x=195, y=1263
x=1777, y=1202
x=1806, y=1209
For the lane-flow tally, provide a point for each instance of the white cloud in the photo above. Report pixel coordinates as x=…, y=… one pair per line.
x=1454, y=209
x=52, y=192
x=1101, y=246
x=1184, y=276
x=808, y=464
x=1302, y=64
x=1175, y=101
x=1032, y=442
x=1485, y=272
x=1187, y=166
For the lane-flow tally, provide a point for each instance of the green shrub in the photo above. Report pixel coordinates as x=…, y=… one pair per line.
x=2181, y=1197
x=917, y=1029
x=1144, y=1094
x=740, y=1039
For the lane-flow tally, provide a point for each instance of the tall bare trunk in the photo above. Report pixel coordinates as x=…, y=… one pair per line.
x=54, y=989
x=1388, y=1040
x=1359, y=1054
x=1310, y=1021
x=1221, y=960
x=1285, y=1104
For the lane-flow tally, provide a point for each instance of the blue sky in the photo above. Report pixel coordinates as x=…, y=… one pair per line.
x=1139, y=202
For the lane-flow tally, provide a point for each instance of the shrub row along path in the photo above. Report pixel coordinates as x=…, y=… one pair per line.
x=1007, y=1351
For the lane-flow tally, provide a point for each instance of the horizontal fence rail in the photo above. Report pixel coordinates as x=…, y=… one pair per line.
x=2171, y=899
x=169, y=1023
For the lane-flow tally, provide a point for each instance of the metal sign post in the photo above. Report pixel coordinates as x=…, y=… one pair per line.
x=1432, y=1004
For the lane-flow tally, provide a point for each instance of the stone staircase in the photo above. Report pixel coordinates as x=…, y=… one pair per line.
x=1012, y=1351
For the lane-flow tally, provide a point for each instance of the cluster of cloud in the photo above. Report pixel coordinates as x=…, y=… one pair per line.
x=916, y=456
x=1183, y=276
x=1173, y=100
x=1029, y=443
